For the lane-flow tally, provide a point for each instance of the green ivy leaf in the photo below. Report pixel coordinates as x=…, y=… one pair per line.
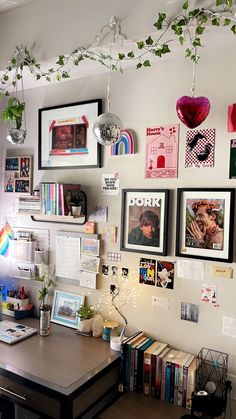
x=181, y=40
x=159, y=23
x=194, y=13
x=216, y=21
x=38, y=76
x=146, y=63
x=5, y=77
x=203, y=19
x=140, y=44
x=121, y=56
x=158, y=52
x=13, y=61
x=177, y=29
x=130, y=54
x=187, y=52
x=219, y=2
x=19, y=77
x=165, y=49
x=185, y=5
x=233, y=29
x=149, y=41
x=65, y=75
x=61, y=60
x=196, y=42
x=229, y=3
x=139, y=65
x=200, y=30
x=48, y=78
x=227, y=22
x=114, y=67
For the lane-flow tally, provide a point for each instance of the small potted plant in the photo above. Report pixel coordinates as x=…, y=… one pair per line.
x=13, y=113
x=47, y=281
x=86, y=315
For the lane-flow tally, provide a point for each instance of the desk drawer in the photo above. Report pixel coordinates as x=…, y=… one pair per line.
x=30, y=398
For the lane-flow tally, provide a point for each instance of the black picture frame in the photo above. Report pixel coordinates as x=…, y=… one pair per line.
x=205, y=223
x=134, y=217
x=65, y=136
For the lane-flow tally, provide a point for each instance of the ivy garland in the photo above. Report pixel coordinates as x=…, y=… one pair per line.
x=187, y=26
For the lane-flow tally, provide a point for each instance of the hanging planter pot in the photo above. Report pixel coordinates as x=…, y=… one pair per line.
x=16, y=136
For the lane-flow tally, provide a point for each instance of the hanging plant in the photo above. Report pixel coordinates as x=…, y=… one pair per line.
x=13, y=112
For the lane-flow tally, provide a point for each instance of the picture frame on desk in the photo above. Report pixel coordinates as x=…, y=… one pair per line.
x=144, y=224
x=65, y=307
x=65, y=137
x=205, y=223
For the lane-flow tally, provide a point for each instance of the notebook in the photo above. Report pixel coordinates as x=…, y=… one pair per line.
x=11, y=332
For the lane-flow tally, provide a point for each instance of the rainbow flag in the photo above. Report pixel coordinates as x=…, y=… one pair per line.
x=6, y=234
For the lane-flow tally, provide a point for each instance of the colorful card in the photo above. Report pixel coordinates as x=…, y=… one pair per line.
x=200, y=148
x=147, y=271
x=165, y=274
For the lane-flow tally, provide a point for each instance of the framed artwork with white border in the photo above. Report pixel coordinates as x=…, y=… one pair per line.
x=205, y=223
x=65, y=307
x=66, y=139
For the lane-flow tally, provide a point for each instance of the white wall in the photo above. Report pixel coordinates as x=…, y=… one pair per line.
x=141, y=98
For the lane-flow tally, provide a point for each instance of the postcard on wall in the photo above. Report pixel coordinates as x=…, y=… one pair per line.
x=189, y=312
x=90, y=246
x=200, y=148
x=111, y=184
x=98, y=214
x=89, y=263
x=232, y=164
x=147, y=271
x=165, y=274
x=162, y=151
x=209, y=294
x=109, y=234
x=88, y=280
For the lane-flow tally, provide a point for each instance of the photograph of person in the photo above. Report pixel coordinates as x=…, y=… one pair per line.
x=205, y=223
x=146, y=231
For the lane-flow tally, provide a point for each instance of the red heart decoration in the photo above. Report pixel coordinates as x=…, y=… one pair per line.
x=192, y=111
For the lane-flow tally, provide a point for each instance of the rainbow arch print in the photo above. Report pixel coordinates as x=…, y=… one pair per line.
x=125, y=144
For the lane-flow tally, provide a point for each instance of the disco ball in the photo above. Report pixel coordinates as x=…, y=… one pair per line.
x=16, y=136
x=107, y=128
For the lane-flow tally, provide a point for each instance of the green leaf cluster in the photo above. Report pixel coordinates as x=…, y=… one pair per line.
x=13, y=112
x=86, y=312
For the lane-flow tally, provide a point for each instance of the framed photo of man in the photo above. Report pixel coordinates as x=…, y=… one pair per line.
x=144, y=221
x=205, y=223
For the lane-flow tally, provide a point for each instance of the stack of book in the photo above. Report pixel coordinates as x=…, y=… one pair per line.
x=28, y=205
x=152, y=368
x=58, y=198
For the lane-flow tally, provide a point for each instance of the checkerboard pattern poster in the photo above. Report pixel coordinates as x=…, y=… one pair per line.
x=200, y=148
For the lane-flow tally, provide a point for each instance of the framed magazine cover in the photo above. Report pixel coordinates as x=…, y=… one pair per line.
x=65, y=307
x=65, y=137
x=144, y=221
x=205, y=223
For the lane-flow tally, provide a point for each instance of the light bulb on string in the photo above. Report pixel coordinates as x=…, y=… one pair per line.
x=108, y=126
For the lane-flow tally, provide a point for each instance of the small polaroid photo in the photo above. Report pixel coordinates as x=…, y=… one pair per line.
x=114, y=270
x=125, y=272
x=105, y=270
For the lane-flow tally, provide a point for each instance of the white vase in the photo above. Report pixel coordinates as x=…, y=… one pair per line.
x=85, y=326
x=97, y=326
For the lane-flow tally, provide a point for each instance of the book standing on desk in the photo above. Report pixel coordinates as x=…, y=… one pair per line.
x=123, y=358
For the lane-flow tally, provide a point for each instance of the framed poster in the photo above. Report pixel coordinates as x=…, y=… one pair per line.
x=65, y=307
x=144, y=221
x=66, y=138
x=205, y=223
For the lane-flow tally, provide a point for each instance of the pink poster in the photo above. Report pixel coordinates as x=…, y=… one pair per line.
x=200, y=148
x=162, y=151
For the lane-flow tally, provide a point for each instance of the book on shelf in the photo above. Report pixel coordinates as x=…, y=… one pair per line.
x=123, y=351
x=138, y=370
x=165, y=362
x=131, y=362
x=191, y=382
x=185, y=379
x=168, y=375
x=154, y=357
x=159, y=371
x=179, y=361
x=149, y=365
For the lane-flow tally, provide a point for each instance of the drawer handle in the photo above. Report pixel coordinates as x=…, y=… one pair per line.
x=12, y=393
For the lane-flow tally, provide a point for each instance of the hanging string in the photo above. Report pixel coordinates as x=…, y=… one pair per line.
x=194, y=74
x=23, y=98
x=114, y=29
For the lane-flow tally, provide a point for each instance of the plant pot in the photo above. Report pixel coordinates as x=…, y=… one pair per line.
x=16, y=136
x=85, y=326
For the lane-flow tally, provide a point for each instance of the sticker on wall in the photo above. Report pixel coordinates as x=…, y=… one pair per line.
x=125, y=145
x=209, y=294
x=114, y=257
x=111, y=184
x=189, y=312
x=165, y=274
x=98, y=214
x=162, y=151
x=200, y=148
x=232, y=160
x=109, y=234
x=147, y=271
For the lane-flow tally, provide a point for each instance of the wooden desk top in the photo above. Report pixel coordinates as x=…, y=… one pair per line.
x=62, y=361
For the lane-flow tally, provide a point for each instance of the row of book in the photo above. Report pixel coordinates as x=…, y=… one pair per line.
x=156, y=370
x=59, y=198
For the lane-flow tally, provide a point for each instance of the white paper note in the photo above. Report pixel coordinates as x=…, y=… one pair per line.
x=229, y=327
x=190, y=269
x=68, y=257
x=88, y=279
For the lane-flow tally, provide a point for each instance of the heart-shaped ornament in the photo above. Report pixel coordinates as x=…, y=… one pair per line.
x=192, y=111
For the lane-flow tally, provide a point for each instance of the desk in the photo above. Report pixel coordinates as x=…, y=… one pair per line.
x=60, y=376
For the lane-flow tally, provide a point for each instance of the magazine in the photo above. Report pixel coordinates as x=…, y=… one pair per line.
x=11, y=332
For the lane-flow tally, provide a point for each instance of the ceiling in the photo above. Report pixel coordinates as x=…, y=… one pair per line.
x=11, y=4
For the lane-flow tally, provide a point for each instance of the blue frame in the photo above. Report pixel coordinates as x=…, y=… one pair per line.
x=65, y=306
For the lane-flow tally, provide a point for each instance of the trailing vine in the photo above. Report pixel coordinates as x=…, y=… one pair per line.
x=188, y=27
